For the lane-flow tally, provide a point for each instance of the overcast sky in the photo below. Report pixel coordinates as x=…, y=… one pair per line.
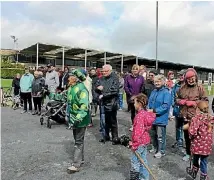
x=186, y=29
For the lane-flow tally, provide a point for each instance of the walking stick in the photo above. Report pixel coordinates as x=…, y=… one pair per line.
x=142, y=162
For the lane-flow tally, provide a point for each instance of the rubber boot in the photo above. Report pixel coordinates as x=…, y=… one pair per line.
x=192, y=172
x=203, y=176
x=134, y=175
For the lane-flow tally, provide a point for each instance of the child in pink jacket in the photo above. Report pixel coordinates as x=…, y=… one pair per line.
x=201, y=136
x=140, y=138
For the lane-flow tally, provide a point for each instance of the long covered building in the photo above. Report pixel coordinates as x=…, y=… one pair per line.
x=40, y=54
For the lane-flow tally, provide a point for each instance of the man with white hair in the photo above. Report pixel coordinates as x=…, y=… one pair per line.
x=108, y=88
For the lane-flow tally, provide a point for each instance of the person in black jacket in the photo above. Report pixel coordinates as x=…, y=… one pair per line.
x=108, y=87
x=149, y=84
x=65, y=77
x=37, y=86
x=16, y=87
x=95, y=99
x=213, y=105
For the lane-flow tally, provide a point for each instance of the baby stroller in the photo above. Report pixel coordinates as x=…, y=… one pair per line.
x=16, y=102
x=55, y=109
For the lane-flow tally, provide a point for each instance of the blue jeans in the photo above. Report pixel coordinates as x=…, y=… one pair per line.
x=159, y=138
x=179, y=131
x=203, y=162
x=102, y=121
x=121, y=101
x=136, y=165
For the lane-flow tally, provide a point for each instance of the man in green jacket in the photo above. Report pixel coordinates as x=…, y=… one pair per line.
x=78, y=112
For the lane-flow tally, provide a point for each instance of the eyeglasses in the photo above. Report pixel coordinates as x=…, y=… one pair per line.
x=105, y=71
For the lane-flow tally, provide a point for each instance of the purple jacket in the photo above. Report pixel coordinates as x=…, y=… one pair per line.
x=133, y=85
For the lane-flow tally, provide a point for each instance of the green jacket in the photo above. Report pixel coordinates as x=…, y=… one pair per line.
x=78, y=102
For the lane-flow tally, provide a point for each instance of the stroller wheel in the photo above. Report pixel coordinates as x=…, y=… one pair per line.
x=49, y=124
x=41, y=120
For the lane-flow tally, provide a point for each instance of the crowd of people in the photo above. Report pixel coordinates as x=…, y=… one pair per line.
x=152, y=99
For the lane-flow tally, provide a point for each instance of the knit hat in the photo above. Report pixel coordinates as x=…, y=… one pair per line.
x=77, y=73
x=190, y=73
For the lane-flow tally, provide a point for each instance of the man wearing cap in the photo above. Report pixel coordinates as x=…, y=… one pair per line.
x=187, y=98
x=176, y=114
x=52, y=79
x=78, y=115
x=149, y=84
x=108, y=88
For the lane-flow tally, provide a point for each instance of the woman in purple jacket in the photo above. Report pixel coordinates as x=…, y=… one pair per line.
x=133, y=85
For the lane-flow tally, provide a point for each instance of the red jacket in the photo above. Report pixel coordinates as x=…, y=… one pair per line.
x=142, y=124
x=201, y=139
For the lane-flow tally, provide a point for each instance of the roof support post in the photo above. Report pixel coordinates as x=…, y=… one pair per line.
x=122, y=63
x=104, y=58
x=37, y=55
x=136, y=60
x=85, y=59
x=63, y=58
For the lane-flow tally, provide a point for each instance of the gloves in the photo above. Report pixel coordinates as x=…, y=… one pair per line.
x=191, y=103
x=182, y=102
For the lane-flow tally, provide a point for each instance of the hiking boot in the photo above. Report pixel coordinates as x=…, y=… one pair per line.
x=116, y=141
x=203, y=176
x=103, y=140
x=192, y=172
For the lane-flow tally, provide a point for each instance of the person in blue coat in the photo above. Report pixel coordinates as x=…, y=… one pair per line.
x=159, y=102
x=176, y=112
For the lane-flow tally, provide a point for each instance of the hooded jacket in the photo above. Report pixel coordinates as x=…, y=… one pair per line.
x=26, y=83
x=190, y=93
x=78, y=103
x=37, y=85
x=160, y=101
x=201, y=139
x=142, y=124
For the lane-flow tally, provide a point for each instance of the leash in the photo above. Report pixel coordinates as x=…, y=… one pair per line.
x=142, y=162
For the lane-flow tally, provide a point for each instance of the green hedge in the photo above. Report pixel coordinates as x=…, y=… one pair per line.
x=9, y=73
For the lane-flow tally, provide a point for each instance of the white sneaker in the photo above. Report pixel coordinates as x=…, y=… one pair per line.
x=186, y=158
x=131, y=129
x=159, y=155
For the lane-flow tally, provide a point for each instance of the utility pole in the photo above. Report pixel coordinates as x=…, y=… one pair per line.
x=156, y=53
